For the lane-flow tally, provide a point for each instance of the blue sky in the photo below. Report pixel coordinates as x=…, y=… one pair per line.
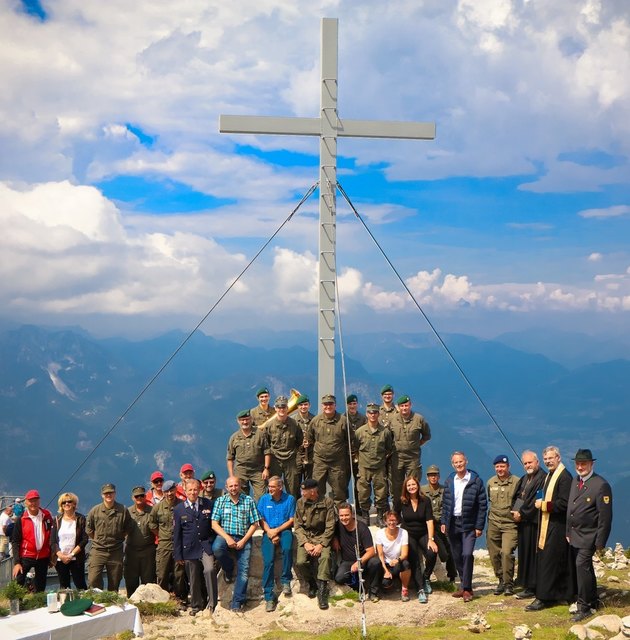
x=125, y=211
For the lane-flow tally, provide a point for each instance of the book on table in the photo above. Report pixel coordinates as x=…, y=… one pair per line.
x=94, y=610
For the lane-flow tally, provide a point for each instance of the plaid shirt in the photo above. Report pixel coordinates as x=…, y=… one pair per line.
x=235, y=518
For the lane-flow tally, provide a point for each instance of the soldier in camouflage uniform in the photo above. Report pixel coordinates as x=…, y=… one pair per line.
x=107, y=525
x=303, y=417
x=140, y=548
x=355, y=420
x=284, y=438
x=375, y=446
x=502, y=533
x=329, y=433
x=170, y=575
x=435, y=492
x=262, y=411
x=410, y=431
x=248, y=456
x=314, y=529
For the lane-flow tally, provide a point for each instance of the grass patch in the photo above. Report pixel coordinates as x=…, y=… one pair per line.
x=348, y=595
x=444, y=585
x=4, y=611
x=169, y=608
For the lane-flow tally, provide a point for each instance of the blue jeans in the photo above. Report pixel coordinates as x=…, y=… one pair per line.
x=223, y=554
x=268, y=554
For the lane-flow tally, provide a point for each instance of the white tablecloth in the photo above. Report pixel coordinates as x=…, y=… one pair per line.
x=41, y=625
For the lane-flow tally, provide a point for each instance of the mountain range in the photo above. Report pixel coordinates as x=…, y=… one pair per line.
x=63, y=392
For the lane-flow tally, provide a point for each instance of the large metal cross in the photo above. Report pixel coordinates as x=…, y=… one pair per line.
x=328, y=127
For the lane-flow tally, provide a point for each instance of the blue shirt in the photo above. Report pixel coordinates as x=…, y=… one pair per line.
x=276, y=512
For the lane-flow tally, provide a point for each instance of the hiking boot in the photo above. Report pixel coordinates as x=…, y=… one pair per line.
x=312, y=589
x=422, y=597
x=404, y=594
x=499, y=589
x=509, y=590
x=428, y=589
x=374, y=597
x=322, y=594
x=380, y=518
x=271, y=605
x=286, y=589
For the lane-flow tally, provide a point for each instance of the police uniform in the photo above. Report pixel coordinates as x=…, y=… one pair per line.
x=589, y=519
x=374, y=449
x=139, y=551
x=107, y=528
x=502, y=533
x=283, y=442
x=192, y=544
x=248, y=454
x=329, y=439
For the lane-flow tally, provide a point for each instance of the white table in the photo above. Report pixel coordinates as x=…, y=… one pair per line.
x=41, y=625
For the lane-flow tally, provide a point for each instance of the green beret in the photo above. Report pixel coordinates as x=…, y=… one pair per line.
x=208, y=475
x=75, y=607
x=242, y=414
x=352, y=398
x=302, y=399
x=386, y=388
x=403, y=400
x=261, y=391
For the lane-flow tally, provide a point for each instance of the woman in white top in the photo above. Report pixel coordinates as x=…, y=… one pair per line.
x=392, y=546
x=70, y=542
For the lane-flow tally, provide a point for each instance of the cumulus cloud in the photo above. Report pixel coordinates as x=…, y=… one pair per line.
x=595, y=257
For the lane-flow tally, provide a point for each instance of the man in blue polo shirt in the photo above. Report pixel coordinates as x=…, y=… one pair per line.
x=277, y=511
x=234, y=520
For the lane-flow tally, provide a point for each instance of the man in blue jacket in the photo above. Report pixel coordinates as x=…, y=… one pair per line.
x=464, y=509
x=192, y=546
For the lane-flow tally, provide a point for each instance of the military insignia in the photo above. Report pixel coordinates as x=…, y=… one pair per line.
x=606, y=499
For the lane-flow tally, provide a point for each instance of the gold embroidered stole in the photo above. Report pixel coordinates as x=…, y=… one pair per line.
x=544, y=519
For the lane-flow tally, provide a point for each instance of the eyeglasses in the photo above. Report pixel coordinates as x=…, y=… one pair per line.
x=67, y=502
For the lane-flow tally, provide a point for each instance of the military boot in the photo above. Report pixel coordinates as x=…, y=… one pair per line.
x=322, y=594
x=380, y=518
x=312, y=588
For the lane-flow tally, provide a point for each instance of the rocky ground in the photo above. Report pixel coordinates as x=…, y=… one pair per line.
x=299, y=613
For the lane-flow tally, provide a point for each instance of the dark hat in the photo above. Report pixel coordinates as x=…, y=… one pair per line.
x=501, y=459
x=433, y=468
x=352, y=398
x=386, y=388
x=302, y=399
x=138, y=491
x=168, y=485
x=208, y=475
x=261, y=391
x=403, y=399
x=108, y=488
x=157, y=475
x=281, y=401
x=584, y=455
x=32, y=495
x=187, y=467
x=372, y=407
x=242, y=414
x=75, y=607
x=328, y=398
x=309, y=483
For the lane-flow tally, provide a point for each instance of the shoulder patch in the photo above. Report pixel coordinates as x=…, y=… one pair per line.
x=606, y=499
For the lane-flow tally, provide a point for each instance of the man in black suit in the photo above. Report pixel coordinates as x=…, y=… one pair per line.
x=589, y=518
x=192, y=546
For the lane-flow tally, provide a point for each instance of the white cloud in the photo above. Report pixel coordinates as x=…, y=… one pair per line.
x=610, y=212
x=595, y=257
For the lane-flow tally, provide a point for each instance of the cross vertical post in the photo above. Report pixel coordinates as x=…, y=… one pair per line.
x=328, y=127
x=327, y=210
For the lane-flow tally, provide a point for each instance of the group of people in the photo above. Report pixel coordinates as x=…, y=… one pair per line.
x=183, y=535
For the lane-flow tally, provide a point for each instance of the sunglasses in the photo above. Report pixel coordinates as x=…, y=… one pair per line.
x=140, y=495
x=67, y=502
x=158, y=481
